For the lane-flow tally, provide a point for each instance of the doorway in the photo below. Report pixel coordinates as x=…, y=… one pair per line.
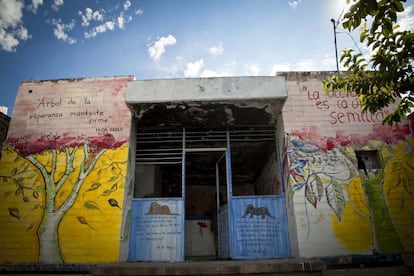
x=206, y=192
x=198, y=194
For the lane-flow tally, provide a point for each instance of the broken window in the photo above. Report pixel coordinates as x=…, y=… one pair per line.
x=254, y=165
x=368, y=161
x=159, y=163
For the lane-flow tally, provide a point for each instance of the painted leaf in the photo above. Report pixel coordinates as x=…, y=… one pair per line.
x=105, y=193
x=113, y=202
x=335, y=197
x=30, y=226
x=114, y=187
x=36, y=194
x=14, y=171
x=40, y=188
x=83, y=220
x=319, y=187
x=93, y=187
x=32, y=175
x=14, y=212
x=6, y=195
x=311, y=196
x=91, y=205
x=113, y=178
x=25, y=199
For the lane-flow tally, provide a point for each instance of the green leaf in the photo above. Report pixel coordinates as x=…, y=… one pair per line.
x=32, y=175
x=6, y=195
x=91, y=205
x=40, y=188
x=336, y=198
x=93, y=187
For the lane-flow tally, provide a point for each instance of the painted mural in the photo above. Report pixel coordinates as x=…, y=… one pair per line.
x=63, y=172
x=342, y=205
x=363, y=210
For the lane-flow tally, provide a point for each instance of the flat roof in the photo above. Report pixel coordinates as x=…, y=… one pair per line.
x=206, y=89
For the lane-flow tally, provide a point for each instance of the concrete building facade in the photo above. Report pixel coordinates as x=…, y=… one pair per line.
x=107, y=170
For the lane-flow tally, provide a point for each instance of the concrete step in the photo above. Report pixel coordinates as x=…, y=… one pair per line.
x=233, y=267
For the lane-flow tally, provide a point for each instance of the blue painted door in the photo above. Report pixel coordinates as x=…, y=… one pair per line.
x=258, y=227
x=157, y=230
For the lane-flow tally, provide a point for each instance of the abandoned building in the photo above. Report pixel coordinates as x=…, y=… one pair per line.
x=113, y=169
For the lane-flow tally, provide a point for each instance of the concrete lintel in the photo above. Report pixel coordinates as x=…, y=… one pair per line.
x=206, y=89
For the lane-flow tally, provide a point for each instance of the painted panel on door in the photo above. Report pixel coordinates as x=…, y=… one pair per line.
x=157, y=230
x=259, y=228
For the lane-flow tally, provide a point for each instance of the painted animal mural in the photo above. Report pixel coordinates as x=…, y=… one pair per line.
x=257, y=212
x=368, y=212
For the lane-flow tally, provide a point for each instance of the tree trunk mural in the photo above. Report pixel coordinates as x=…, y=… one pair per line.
x=79, y=161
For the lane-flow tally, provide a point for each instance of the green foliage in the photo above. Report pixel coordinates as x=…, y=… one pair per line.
x=387, y=76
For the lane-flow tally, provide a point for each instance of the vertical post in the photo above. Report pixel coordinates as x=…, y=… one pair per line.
x=336, y=48
x=183, y=196
x=279, y=160
x=229, y=195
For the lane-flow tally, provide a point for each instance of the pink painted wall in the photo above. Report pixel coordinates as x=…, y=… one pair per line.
x=82, y=107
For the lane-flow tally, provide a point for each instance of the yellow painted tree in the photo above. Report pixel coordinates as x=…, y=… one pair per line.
x=52, y=172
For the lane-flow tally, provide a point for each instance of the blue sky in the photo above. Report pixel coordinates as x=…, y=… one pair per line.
x=152, y=39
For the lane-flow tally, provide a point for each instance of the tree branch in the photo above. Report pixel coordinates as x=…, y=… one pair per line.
x=53, y=170
x=82, y=176
x=70, y=156
x=49, y=183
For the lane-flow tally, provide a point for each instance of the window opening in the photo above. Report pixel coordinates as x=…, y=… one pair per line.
x=254, y=166
x=368, y=162
x=158, y=164
x=159, y=161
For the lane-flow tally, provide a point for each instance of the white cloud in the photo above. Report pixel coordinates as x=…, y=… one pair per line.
x=107, y=26
x=90, y=15
x=61, y=29
x=294, y=3
x=216, y=50
x=210, y=73
x=406, y=20
x=34, y=5
x=193, y=69
x=127, y=4
x=12, y=30
x=110, y=24
x=57, y=4
x=122, y=19
x=280, y=67
x=156, y=50
x=252, y=69
x=139, y=11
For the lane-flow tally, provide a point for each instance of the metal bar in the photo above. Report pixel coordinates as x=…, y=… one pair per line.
x=252, y=140
x=166, y=149
x=159, y=158
x=158, y=163
x=205, y=149
x=159, y=153
x=183, y=195
x=157, y=141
